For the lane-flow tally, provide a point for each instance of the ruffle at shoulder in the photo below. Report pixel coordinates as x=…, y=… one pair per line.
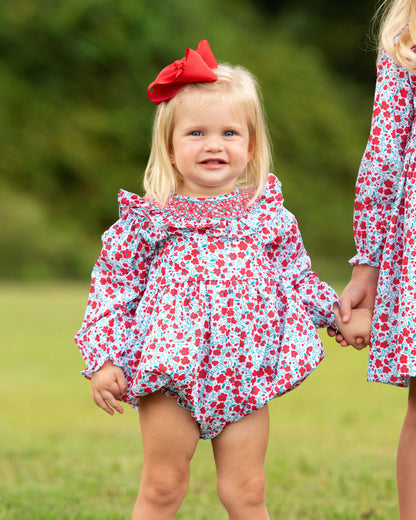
x=145, y=215
x=267, y=207
x=265, y=216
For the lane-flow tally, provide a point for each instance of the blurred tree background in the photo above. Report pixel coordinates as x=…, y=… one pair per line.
x=75, y=119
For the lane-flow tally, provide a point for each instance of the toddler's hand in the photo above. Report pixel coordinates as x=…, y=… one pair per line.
x=357, y=331
x=334, y=333
x=107, y=383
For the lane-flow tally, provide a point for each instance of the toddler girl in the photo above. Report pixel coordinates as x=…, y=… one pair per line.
x=203, y=306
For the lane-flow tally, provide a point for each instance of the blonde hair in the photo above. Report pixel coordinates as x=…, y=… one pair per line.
x=234, y=83
x=397, y=35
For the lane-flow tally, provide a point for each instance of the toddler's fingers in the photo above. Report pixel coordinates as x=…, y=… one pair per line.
x=331, y=332
x=101, y=402
x=359, y=343
x=340, y=339
x=122, y=384
x=112, y=401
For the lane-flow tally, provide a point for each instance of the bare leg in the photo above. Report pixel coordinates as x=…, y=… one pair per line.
x=406, y=459
x=239, y=453
x=169, y=436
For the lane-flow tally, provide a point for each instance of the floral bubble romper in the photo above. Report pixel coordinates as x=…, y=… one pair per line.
x=209, y=300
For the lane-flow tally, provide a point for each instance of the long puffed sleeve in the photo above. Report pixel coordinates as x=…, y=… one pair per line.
x=118, y=281
x=289, y=257
x=376, y=194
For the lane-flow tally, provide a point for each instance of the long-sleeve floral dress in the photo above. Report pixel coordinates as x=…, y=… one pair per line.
x=385, y=223
x=212, y=301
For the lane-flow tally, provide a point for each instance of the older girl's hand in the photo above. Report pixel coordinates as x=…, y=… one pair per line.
x=360, y=293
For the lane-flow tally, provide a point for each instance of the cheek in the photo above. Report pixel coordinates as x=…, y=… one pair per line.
x=175, y=152
x=186, y=151
x=244, y=154
x=182, y=157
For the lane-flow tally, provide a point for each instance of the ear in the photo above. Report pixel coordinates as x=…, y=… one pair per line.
x=171, y=155
x=251, y=149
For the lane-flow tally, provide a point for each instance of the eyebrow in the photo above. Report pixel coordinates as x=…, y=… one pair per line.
x=231, y=126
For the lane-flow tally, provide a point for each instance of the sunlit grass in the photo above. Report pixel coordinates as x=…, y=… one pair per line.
x=332, y=442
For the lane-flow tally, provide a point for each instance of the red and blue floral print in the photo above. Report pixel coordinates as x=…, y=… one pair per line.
x=211, y=300
x=385, y=223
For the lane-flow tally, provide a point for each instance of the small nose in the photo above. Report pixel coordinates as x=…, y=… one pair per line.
x=214, y=144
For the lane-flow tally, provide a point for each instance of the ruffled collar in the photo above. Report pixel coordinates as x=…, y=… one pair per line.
x=228, y=206
x=227, y=214
x=218, y=198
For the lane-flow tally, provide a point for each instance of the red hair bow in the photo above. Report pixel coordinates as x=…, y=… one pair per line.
x=196, y=66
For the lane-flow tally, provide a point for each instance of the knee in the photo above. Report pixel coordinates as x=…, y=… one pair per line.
x=163, y=487
x=246, y=492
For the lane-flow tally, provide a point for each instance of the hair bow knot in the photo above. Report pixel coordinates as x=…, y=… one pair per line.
x=179, y=65
x=196, y=66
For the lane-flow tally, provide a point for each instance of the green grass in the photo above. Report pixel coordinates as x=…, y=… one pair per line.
x=332, y=444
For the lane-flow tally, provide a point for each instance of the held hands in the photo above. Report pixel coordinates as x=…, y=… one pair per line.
x=357, y=305
x=357, y=331
x=107, y=383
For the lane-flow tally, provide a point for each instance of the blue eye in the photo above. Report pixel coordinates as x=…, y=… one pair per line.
x=196, y=133
x=229, y=133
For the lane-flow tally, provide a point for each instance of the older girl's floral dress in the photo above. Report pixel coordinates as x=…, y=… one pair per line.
x=210, y=300
x=385, y=223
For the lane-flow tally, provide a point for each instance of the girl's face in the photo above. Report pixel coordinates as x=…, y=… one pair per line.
x=210, y=147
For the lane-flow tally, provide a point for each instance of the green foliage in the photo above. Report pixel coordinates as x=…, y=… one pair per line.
x=75, y=120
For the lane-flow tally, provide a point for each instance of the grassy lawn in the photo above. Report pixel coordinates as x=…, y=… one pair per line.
x=332, y=443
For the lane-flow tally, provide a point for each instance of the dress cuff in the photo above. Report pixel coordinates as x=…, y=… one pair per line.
x=359, y=259
x=90, y=370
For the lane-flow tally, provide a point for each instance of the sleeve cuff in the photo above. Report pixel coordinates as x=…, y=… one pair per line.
x=90, y=370
x=359, y=259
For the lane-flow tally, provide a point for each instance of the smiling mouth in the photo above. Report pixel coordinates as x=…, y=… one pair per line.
x=214, y=161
